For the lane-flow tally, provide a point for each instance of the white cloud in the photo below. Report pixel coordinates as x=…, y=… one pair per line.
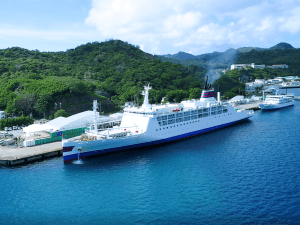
x=169, y=26
x=290, y=23
x=157, y=24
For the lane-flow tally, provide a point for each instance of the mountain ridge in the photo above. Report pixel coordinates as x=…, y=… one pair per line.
x=183, y=55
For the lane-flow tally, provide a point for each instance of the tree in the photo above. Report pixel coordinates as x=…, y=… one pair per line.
x=229, y=95
x=61, y=112
x=177, y=95
x=42, y=103
x=11, y=107
x=195, y=93
x=25, y=103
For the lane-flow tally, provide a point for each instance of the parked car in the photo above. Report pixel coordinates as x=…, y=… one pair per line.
x=7, y=128
x=15, y=127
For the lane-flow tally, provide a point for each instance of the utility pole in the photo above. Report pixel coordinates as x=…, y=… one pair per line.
x=100, y=108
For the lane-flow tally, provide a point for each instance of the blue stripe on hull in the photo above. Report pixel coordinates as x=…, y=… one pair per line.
x=70, y=158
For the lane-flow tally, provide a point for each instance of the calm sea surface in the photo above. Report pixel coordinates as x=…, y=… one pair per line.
x=244, y=174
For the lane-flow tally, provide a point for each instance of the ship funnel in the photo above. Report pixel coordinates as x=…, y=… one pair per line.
x=207, y=93
x=219, y=95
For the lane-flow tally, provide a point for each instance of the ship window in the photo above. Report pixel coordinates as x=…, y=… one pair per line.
x=178, y=120
x=186, y=118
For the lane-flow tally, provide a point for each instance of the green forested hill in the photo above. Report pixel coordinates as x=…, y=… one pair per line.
x=233, y=82
x=291, y=57
x=282, y=53
x=32, y=81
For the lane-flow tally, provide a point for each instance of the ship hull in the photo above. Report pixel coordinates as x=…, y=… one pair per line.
x=266, y=107
x=99, y=148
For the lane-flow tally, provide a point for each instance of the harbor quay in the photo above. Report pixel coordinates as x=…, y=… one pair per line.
x=44, y=140
x=12, y=156
x=249, y=106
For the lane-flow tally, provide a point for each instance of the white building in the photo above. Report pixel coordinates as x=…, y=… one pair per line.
x=84, y=119
x=278, y=80
x=280, y=66
x=2, y=115
x=273, y=81
x=250, y=87
x=257, y=66
x=244, y=66
x=291, y=77
x=238, y=66
x=260, y=81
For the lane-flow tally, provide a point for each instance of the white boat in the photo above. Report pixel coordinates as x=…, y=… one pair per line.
x=273, y=102
x=155, y=124
x=293, y=84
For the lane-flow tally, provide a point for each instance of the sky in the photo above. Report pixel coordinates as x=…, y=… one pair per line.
x=157, y=26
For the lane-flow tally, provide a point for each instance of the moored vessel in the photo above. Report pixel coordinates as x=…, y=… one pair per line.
x=155, y=124
x=273, y=102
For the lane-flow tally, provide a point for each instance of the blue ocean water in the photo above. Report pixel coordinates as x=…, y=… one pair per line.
x=244, y=174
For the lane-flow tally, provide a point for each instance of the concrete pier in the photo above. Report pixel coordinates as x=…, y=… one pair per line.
x=11, y=156
x=249, y=106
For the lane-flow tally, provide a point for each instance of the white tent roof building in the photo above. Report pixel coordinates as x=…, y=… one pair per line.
x=83, y=119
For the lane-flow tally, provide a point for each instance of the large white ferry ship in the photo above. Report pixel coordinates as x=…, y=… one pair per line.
x=155, y=124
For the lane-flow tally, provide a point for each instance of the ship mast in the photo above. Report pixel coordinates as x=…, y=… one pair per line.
x=146, y=104
x=95, y=105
